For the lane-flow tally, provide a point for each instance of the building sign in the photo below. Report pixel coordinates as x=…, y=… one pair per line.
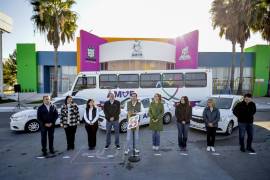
x=91, y=55
x=137, y=49
x=185, y=54
x=187, y=51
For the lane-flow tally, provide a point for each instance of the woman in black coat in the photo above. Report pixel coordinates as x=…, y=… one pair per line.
x=91, y=116
x=70, y=118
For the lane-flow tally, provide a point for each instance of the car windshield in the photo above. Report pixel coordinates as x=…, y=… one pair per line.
x=221, y=103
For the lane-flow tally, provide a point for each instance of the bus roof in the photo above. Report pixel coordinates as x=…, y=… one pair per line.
x=143, y=71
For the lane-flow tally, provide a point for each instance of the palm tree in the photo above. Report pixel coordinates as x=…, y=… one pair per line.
x=243, y=19
x=222, y=12
x=261, y=18
x=55, y=19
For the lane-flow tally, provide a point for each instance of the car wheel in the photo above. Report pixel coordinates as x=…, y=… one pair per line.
x=229, y=128
x=167, y=118
x=32, y=126
x=123, y=126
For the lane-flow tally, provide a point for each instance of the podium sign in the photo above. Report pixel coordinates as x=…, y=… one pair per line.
x=133, y=122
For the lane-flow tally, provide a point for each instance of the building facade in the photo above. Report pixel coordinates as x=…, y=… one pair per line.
x=35, y=68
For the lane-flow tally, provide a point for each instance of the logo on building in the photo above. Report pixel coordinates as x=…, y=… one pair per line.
x=137, y=49
x=185, y=54
x=91, y=55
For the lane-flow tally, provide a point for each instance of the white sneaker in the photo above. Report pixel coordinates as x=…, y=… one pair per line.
x=157, y=148
x=137, y=150
x=208, y=148
x=126, y=151
x=213, y=149
x=154, y=147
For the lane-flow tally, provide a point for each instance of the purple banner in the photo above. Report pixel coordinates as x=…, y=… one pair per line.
x=187, y=50
x=89, y=51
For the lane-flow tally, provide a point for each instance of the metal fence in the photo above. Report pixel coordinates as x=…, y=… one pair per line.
x=222, y=86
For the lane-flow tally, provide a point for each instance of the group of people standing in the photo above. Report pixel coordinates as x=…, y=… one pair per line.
x=47, y=115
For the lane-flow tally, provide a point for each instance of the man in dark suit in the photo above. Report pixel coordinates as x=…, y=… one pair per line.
x=112, y=112
x=47, y=115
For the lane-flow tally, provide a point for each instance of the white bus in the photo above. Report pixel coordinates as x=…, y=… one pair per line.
x=196, y=84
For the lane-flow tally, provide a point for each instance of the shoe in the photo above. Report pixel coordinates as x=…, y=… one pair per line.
x=184, y=149
x=52, y=151
x=137, y=151
x=213, y=149
x=117, y=147
x=44, y=153
x=242, y=149
x=157, y=148
x=251, y=150
x=208, y=148
x=154, y=147
x=107, y=146
x=126, y=152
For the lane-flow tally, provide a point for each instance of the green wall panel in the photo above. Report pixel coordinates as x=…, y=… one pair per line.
x=261, y=68
x=27, y=67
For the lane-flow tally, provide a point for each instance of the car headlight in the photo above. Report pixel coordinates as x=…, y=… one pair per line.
x=18, y=118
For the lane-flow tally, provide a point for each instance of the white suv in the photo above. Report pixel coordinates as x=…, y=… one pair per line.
x=225, y=104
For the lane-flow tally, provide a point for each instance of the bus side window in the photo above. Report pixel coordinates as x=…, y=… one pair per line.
x=108, y=81
x=127, y=81
x=196, y=79
x=170, y=80
x=150, y=80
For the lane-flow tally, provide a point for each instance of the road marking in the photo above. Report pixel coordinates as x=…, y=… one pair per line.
x=40, y=157
x=252, y=153
x=91, y=156
x=184, y=154
x=66, y=157
x=157, y=154
x=216, y=154
x=110, y=156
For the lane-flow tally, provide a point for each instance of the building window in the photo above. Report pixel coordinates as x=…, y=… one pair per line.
x=170, y=66
x=151, y=80
x=128, y=81
x=196, y=79
x=104, y=66
x=107, y=81
x=172, y=80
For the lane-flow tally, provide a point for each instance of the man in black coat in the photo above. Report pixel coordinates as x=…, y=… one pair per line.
x=244, y=111
x=112, y=111
x=47, y=115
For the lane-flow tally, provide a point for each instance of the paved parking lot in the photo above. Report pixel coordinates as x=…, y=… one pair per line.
x=20, y=156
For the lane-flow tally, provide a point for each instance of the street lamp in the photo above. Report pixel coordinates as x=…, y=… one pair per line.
x=5, y=26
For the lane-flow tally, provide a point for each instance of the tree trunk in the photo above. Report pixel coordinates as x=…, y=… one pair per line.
x=233, y=67
x=55, y=78
x=240, y=85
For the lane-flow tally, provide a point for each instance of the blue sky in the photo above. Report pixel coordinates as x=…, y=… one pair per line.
x=124, y=18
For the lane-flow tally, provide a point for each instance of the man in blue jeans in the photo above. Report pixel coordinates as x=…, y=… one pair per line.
x=245, y=111
x=112, y=112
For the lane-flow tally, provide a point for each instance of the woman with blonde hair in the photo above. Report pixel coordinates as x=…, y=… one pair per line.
x=156, y=111
x=211, y=116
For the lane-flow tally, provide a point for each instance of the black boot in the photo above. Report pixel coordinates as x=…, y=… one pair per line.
x=242, y=149
x=250, y=149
